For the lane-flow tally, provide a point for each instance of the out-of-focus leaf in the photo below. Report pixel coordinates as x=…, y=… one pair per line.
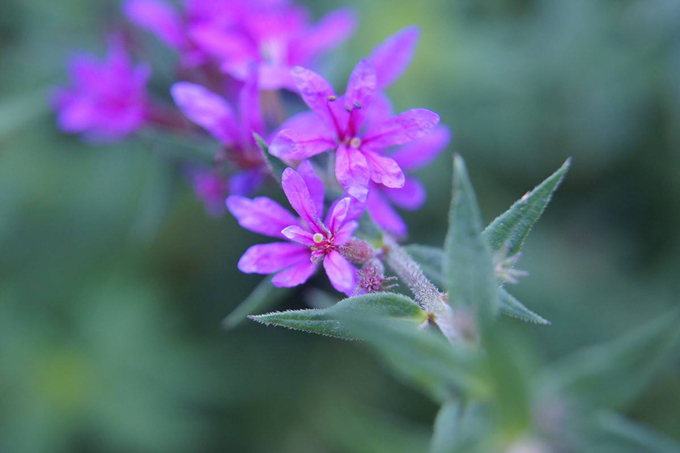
x=422, y=358
x=264, y=296
x=468, y=265
x=19, y=111
x=331, y=321
x=511, y=228
x=629, y=434
x=155, y=201
x=276, y=166
x=510, y=306
x=431, y=260
x=447, y=432
x=612, y=374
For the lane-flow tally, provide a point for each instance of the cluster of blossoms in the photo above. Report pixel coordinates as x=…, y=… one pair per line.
x=234, y=58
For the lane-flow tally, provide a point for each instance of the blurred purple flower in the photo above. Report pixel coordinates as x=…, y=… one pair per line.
x=276, y=34
x=358, y=126
x=107, y=99
x=311, y=240
x=211, y=188
x=216, y=115
x=411, y=197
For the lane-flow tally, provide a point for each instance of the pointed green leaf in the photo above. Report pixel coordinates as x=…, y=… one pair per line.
x=447, y=428
x=512, y=227
x=276, y=166
x=331, y=321
x=633, y=436
x=264, y=296
x=596, y=375
x=510, y=306
x=423, y=358
x=468, y=265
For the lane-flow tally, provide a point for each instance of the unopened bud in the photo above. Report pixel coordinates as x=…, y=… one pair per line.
x=357, y=251
x=372, y=278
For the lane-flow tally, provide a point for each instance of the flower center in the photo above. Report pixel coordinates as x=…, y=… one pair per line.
x=318, y=238
x=355, y=142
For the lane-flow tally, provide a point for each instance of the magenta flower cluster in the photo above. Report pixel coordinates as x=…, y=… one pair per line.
x=234, y=57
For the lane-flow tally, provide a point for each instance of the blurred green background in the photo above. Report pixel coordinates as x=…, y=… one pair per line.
x=111, y=297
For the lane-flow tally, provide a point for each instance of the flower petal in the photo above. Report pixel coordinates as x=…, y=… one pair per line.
x=379, y=110
x=297, y=144
x=245, y=182
x=352, y=172
x=298, y=195
x=207, y=109
x=410, y=197
x=423, y=151
x=360, y=92
x=294, y=275
x=299, y=235
x=261, y=215
x=393, y=56
x=315, y=91
x=157, y=17
x=341, y=273
x=338, y=214
x=227, y=46
x=249, y=104
x=268, y=258
x=384, y=215
x=345, y=233
x=330, y=31
x=276, y=76
x=314, y=184
x=356, y=209
x=403, y=128
x=384, y=170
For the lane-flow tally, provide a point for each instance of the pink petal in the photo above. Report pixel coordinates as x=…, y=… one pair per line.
x=360, y=91
x=294, y=275
x=228, y=46
x=351, y=169
x=345, y=233
x=393, y=56
x=355, y=210
x=314, y=184
x=276, y=76
x=379, y=110
x=261, y=215
x=403, y=128
x=300, y=199
x=249, y=104
x=207, y=109
x=384, y=215
x=307, y=121
x=299, y=235
x=293, y=144
x=268, y=258
x=341, y=273
x=338, y=214
x=330, y=31
x=410, y=197
x=315, y=91
x=246, y=182
x=159, y=18
x=384, y=170
x=423, y=151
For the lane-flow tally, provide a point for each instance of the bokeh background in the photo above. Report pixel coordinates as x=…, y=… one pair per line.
x=112, y=290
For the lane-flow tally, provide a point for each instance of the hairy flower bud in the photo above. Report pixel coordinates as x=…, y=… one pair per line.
x=357, y=251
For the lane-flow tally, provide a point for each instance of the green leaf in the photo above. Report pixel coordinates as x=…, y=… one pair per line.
x=612, y=374
x=264, y=296
x=331, y=321
x=511, y=228
x=637, y=437
x=468, y=264
x=430, y=260
x=276, y=166
x=423, y=358
x=510, y=306
x=447, y=428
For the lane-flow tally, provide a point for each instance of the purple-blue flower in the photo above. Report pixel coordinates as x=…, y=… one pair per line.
x=234, y=131
x=275, y=34
x=411, y=197
x=359, y=125
x=311, y=241
x=107, y=100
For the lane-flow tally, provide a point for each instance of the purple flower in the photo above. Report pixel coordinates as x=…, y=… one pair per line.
x=276, y=34
x=217, y=116
x=107, y=100
x=211, y=188
x=357, y=126
x=311, y=241
x=411, y=197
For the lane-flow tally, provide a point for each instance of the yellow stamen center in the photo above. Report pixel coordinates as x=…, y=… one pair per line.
x=355, y=142
x=318, y=238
